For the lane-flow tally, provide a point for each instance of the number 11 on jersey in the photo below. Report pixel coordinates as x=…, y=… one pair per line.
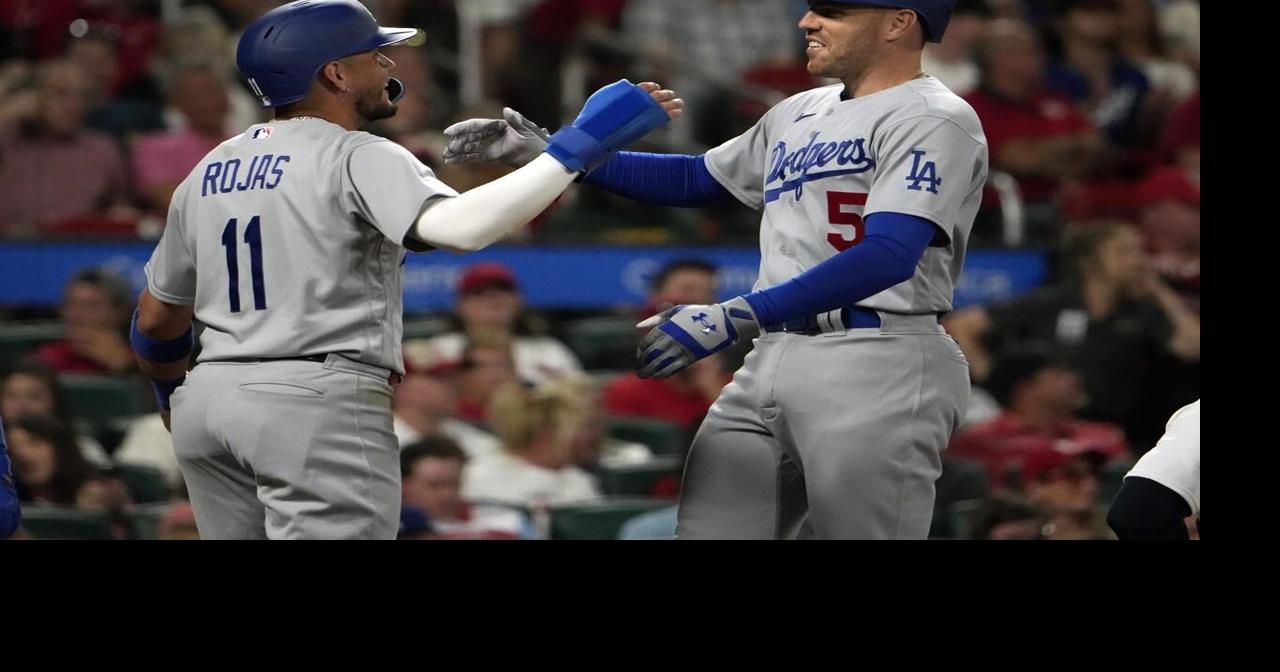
x=252, y=238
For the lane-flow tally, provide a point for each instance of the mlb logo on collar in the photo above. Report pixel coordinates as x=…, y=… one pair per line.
x=262, y=133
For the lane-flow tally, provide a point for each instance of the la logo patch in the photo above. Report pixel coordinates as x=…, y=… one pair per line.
x=923, y=172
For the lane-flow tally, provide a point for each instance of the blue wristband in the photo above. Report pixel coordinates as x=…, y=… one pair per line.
x=161, y=352
x=577, y=150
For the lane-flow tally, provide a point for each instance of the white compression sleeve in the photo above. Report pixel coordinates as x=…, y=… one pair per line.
x=480, y=217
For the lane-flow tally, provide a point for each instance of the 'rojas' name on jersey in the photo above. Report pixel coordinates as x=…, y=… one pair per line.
x=224, y=177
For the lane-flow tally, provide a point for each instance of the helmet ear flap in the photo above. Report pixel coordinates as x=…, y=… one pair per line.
x=395, y=90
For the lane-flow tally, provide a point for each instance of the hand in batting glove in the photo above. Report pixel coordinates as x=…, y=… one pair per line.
x=684, y=334
x=513, y=140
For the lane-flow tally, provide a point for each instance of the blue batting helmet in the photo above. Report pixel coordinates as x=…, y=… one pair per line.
x=281, y=53
x=934, y=14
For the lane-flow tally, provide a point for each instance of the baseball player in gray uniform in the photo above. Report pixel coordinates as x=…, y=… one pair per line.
x=835, y=425
x=286, y=243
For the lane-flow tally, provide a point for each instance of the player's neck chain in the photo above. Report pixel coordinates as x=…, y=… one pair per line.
x=300, y=118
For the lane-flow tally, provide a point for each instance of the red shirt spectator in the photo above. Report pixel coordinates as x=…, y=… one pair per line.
x=95, y=318
x=1169, y=214
x=1036, y=136
x=669, y=399
x=1006, y=441
x=39, y=27
x=1045, y=115
x=136, y=34
x=54, y=170
x=1182, y=131
x=1042, y=396
x=559, y=21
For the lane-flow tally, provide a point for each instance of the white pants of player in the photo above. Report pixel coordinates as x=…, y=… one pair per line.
x=289, y=450
x=835, y=436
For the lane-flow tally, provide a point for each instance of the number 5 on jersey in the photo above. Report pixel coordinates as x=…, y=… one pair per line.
x=838, y=216
x=252, y=238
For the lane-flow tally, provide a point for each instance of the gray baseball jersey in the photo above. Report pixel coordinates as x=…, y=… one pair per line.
x=287, y=240
x=916, y=149
x=840, y=434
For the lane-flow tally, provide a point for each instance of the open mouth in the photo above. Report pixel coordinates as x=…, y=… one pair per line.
x=394, y=89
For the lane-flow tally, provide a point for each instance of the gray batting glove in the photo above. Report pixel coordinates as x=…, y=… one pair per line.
x=682, y=335
x=513, y=140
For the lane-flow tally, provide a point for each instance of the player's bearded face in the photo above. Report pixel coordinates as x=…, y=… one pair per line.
x=374, y=102
x=841, y=40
